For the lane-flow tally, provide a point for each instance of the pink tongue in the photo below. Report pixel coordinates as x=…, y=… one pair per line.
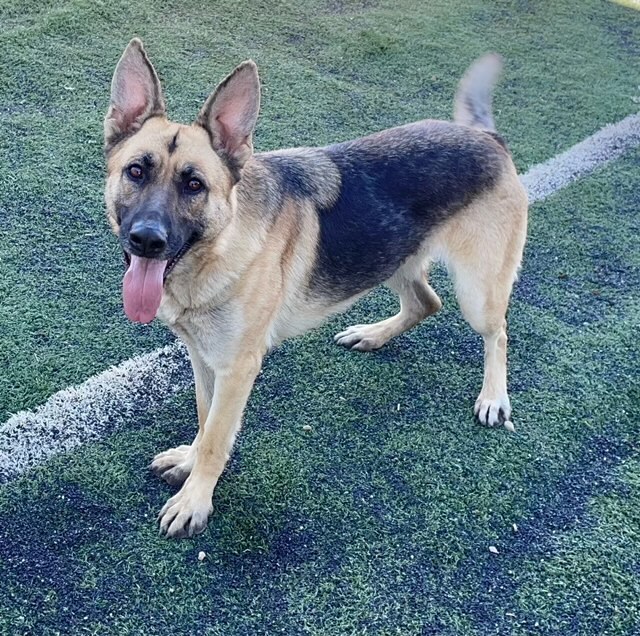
x=142, y=288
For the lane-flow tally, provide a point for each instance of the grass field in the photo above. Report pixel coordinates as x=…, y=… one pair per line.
x=379, y=520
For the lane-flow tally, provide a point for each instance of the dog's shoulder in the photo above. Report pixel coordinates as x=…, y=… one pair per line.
x=298, y=174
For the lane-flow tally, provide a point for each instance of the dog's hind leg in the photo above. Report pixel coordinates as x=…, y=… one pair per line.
x=482, y=251
x=417, y=301
x=484, y=307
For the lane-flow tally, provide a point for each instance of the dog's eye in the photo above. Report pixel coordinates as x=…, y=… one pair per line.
x=194, y=185
x=135, y=172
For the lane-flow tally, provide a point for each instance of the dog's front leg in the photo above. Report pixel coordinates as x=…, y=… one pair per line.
x=186, y=513
x=175, y=464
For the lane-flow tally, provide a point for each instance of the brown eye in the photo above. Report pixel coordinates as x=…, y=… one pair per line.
x=135, y=172
x=194, y=185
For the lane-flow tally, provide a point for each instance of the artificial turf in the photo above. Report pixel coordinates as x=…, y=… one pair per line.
x=379, y=519
x=331, y=71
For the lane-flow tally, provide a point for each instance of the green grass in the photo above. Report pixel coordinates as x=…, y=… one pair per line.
x=378, y=520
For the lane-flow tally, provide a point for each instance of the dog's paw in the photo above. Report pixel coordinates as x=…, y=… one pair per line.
x=362, y=337
x=174, y=465
x=186, y=513
x=494, y=412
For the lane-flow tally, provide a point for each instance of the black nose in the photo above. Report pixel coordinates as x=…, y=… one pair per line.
x=147, y=238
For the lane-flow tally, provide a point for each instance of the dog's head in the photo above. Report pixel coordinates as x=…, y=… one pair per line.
x=170, y=185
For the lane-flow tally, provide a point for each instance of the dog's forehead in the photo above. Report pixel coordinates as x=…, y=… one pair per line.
x=170, y=147
x=188, y=143
x=168, y=140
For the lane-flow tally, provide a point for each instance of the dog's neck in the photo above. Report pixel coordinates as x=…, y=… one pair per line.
x=213, y=266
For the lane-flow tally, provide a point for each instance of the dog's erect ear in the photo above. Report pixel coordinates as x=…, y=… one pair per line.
x=230, y=114
x=136, y=94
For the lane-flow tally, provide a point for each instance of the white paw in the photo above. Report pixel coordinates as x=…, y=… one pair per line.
x=186, y=513
x=361, y=338
x=494, y=412
x=174, y=465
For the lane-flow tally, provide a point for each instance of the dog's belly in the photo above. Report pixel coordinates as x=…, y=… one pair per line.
x=299, y=315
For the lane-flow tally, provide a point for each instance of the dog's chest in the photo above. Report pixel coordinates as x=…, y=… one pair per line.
x=212, y=333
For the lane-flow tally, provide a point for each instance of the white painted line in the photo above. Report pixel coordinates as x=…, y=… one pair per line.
x=104, y=403
x=606, y=145
x=631, y=4
x=119, y=396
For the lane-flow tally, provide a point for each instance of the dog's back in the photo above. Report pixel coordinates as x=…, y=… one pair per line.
x=378, y=197
x=396, y=187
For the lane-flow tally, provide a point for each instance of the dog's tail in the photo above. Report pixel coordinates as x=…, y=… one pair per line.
x=473, y=98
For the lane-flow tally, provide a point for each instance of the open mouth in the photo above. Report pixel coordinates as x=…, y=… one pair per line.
x=143, y=283
x=169, y=264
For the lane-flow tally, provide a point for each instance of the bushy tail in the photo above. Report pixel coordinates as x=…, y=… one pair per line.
x=473, y=98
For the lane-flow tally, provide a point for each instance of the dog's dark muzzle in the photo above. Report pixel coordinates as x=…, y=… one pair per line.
x=148, y=239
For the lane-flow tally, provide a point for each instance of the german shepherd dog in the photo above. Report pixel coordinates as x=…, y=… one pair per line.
x=237, y=251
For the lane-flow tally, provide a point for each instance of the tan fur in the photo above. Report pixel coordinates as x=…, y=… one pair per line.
x=244, y=287
x=484, y=277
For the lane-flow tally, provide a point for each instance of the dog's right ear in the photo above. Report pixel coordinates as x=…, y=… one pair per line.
x=136, y=95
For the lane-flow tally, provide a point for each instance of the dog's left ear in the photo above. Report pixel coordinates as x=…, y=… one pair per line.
x=230, y=114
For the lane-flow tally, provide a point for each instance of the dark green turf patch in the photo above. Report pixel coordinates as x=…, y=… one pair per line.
x=595, y=566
